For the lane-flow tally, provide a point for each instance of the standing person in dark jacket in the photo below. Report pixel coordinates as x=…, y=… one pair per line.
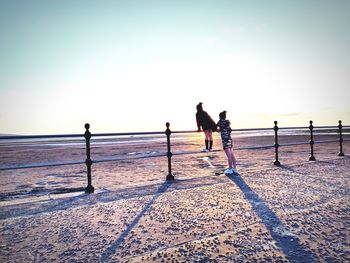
x=225, y=130
x=207, y=124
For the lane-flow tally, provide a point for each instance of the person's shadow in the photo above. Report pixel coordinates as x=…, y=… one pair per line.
x=293, y=250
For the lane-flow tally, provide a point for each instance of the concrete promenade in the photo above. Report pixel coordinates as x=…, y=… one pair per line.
x=294, y=213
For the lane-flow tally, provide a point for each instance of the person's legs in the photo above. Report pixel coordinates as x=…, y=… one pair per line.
x=206, y=139
x=208, y=134
x=233, y=159
x=210, y=145
x=210, y=139
x=229, y=157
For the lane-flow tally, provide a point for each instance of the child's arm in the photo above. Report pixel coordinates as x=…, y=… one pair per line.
x=218, y=127
x=229, y=126
x=198, y=124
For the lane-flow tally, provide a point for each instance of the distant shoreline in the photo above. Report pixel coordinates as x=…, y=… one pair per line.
x=257, y=131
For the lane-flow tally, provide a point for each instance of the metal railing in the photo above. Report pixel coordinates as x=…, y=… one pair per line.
x=88, y=161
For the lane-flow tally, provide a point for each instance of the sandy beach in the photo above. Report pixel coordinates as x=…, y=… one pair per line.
x=297, y=212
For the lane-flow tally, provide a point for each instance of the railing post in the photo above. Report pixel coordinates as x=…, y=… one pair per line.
x=340, y=126
x=312, y=157
x=89, y=189
x=276, y=162
x=170, y=175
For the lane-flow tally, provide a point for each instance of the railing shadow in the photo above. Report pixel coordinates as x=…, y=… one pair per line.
x=35, y=207
x=28, y=208
x=113, y=248
x=293, y=250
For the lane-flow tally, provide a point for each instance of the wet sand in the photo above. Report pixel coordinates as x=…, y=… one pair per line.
x=298, y=212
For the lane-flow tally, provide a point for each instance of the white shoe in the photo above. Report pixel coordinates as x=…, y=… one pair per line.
x=234, y=171
x=228, y=171
x=205, y=150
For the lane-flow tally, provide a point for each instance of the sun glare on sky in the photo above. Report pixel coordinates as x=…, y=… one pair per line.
x=134, y=65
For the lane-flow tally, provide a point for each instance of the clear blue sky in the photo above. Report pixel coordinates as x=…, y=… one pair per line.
x=133, y=65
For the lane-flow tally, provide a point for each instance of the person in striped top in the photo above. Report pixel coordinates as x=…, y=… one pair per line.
x=225, y=131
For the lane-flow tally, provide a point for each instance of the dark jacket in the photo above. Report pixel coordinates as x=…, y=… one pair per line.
x=205, y=121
